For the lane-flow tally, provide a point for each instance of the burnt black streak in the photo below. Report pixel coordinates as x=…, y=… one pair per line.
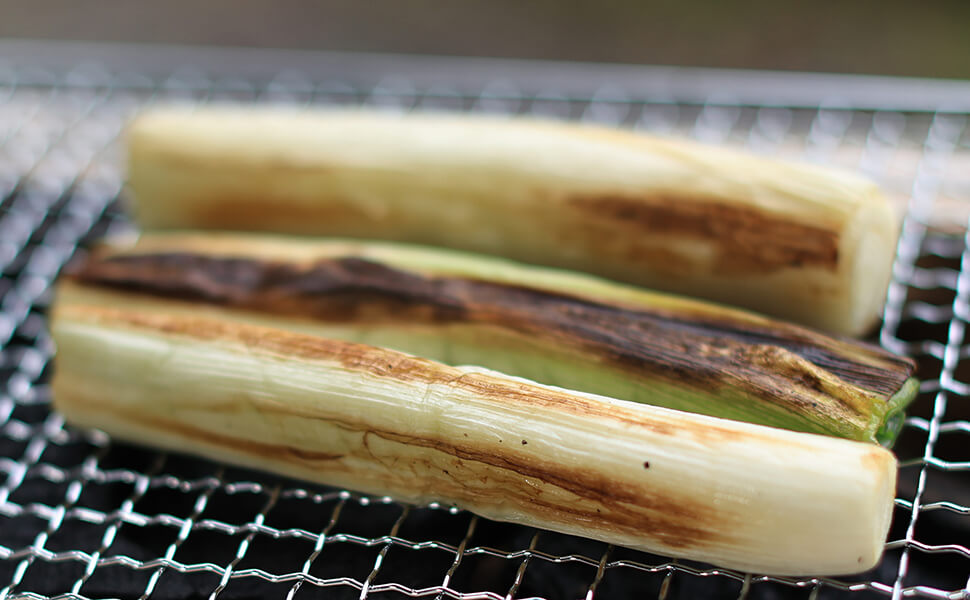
x=694, y=348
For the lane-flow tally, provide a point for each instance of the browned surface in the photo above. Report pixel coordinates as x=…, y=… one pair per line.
x=389, y=364
x=303, y=457
x=264, y=213
x=727, y=361
x=613, y=506
x=638, y=340
x=746, y=240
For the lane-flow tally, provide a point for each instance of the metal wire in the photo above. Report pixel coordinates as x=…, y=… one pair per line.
x=224, y=530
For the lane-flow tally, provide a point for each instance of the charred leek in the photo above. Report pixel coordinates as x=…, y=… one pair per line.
x=557, y=328
x=794, y=241
x=382, y=422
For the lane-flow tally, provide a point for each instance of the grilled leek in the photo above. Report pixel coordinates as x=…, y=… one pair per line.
x=794, y=241
x=382, y=422
x=558, y=328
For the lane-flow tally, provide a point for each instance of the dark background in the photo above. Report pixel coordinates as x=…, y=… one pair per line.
x=892, y=37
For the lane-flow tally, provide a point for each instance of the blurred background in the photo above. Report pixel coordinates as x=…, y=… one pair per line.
x=891, y=37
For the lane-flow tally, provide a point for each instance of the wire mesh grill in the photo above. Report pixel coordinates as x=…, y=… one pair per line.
x=84, y=517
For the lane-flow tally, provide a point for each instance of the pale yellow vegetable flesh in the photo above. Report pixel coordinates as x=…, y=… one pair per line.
x=381, y=422
x=559, y=328
x=795, y=241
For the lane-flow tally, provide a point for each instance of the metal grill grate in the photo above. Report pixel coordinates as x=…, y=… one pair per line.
x=83, y=517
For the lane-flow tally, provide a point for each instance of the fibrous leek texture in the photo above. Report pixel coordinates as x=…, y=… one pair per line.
x=557, y=328
x=800, y=242
x=383, y=422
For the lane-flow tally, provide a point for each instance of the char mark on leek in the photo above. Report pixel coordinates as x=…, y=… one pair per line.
x=749, y=240
x=801, y=372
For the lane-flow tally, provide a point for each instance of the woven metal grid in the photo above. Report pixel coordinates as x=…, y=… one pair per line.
x=84, y=517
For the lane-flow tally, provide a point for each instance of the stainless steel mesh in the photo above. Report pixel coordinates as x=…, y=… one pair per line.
x=83, y=517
